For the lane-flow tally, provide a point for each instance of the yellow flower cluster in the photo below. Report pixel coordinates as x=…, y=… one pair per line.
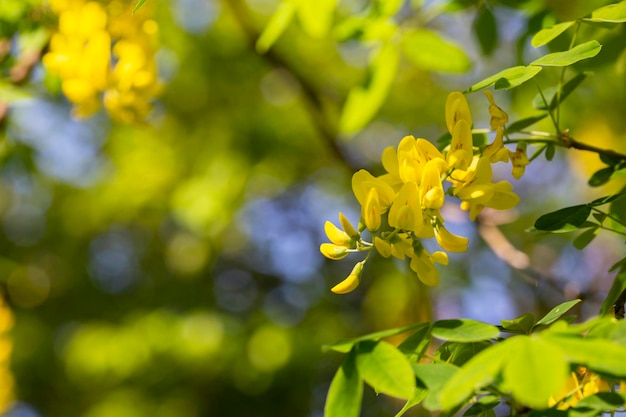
x=7, y=383
x=582, y=383
x=103, y=49
x=402, y=206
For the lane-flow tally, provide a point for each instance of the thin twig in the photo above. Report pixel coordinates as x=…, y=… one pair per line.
x=312, y=99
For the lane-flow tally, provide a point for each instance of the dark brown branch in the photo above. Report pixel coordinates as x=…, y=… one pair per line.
x=312, y=99
x=569, y=142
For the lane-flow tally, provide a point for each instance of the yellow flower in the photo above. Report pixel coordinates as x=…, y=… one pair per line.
x=461, y=153
x=519, y=162
x=449, y=241
x=406, y=212
x=351, y=282
x=334, y=252
x=336, y=235
x=496, y=152
x=423, y=264
x=431, y=189
x=347, y=226
x=457, y=109
x=580, y=384
x=499, y=118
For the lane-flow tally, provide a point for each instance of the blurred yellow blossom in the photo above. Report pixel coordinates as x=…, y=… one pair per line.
x=102, y=52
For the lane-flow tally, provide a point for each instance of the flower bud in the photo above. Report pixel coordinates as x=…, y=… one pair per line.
x=333, y=252
x=351, y=282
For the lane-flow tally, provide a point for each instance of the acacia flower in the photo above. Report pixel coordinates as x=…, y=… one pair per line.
x=461, y=153
x=351, y=282
x=519, y=160
x=457, y=109
x=406, y=211
x=423, y=264
x=450, y=241
x=496, y=152
x=499, y=117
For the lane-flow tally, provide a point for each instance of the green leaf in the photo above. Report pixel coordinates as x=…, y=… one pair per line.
x=434, y=376
x=536, y=371
x=522, y=124
x=551, y=96
x=477, y=373
x=418, y=396
x=617, y=288
x=522, y=324
x=546, y=35
x=617, y=208
x=486, y=30
x=416, y=344
x=550, y=151
x=457, y=353
x=429, y=51
x=582, y=240
x=508, y=78
x=608, y=199
x=618, y=264
x=599, y=355
x=138, y=5
x=562, y=59
x=463, y=330
x=10, y=93
x=601, y=177
x=556, y=313
x=564, y=220
x=602, y=402
x=385, y=369
x=316, y=17
x=345, y=346
x=346, y=390
x=482, y=405
x=364, y=101
x=276, y=26
x=613, y=13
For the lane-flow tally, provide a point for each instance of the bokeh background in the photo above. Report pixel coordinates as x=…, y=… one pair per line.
x=172, y=268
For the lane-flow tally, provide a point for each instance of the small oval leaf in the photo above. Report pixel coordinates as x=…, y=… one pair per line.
x=564, y=220
x=546, y=35
x=613, y=13
x=508, y=78
x=346, y=390
x=562, y=59
x=464, y=330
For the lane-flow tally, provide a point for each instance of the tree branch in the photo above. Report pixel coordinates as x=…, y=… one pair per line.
x=328, y=132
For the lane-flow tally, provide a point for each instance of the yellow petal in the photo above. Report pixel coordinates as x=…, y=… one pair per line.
x=351, y=282
x=425, y=269
x=457, y=109
x=347, y=226
x=449, y=241
x=372, y=211
x=336, y=235
x=333, y=252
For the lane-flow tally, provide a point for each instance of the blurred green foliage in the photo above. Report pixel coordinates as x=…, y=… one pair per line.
x=172, y=268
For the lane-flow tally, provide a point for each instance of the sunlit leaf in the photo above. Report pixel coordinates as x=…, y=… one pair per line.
x=536, y=371
x=276, y=26
x=613, y=13
x=428, y=50
x=388, y=7
x=346, y=390
x=10, y=93
x=385, y=369
x=458, y=354
x=564, y=220
x=463, y=330
x=599, y=355
x=364, y=101
x=434, y=376
x=617, y=288
x=416, y=344
x=546, y=35
x=522, y=324
x=485, y=27
x=316, y=17
x=508, y=78
x=602, y=402
x=478, y=372
x=346, y=345
x=418, y=396
x=562, y=59
x=556, y=313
